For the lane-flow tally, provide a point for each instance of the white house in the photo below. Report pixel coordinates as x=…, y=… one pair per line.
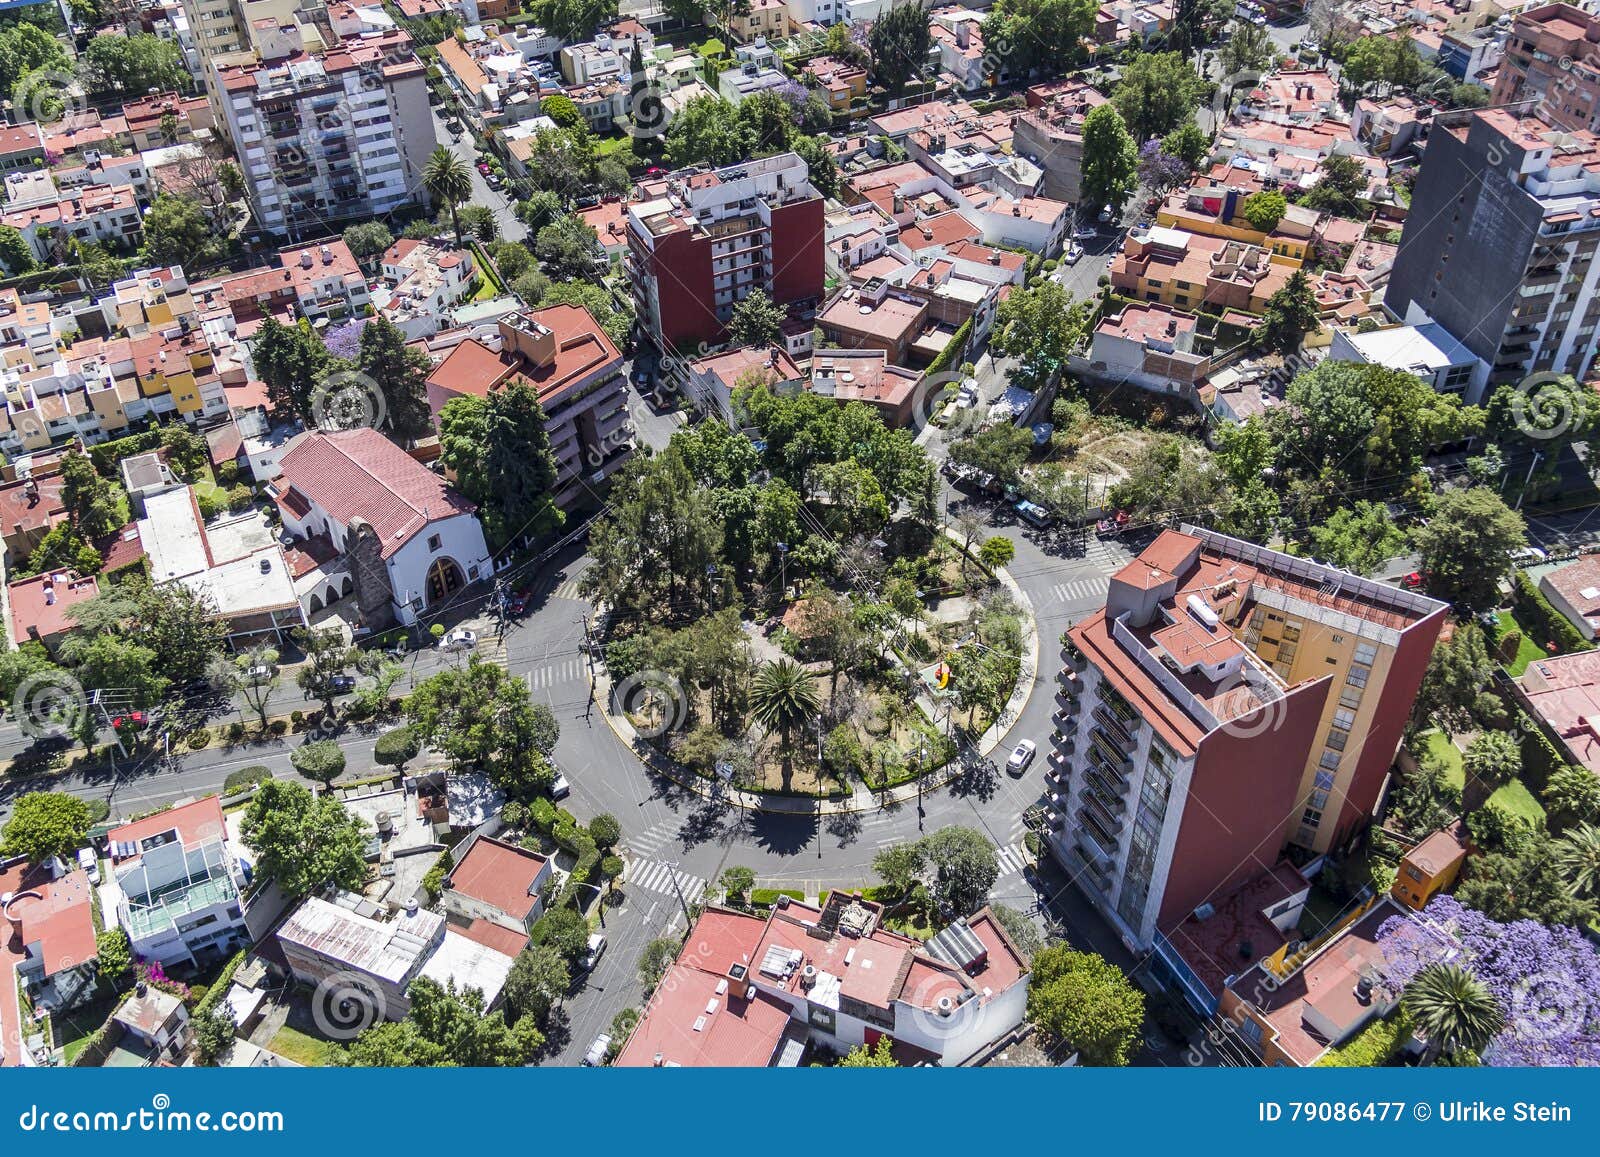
x=409, y=539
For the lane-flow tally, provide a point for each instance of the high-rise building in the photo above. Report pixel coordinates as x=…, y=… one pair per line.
x=1500, y=242
x=699, y=241
x=1552, y=55
x=1229, y=699
x=331, y=136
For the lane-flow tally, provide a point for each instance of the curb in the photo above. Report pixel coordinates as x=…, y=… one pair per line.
x=857, y=801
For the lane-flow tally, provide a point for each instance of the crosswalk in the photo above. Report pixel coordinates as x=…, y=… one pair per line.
x=1013, y=858
x=653, y=838
x=1081, y=590
x=571, y=669
x=657, y=876
x=556, y=587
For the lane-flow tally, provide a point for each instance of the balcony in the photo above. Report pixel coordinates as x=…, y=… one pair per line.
x=1114, y=727
x=1111, y=803
x=1099, y=820
x=1058, y=776
x=1105, y=841
x=1103, y=859
x=1108, y=785
x=1069, y=703
x=1113, y=755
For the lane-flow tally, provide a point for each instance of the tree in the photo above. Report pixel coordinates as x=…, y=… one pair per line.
x=1188, y=143
x=26, y=48
x=562, y=109
x=898, y=41
x=446, y=179
x=876, y=1056
x=1021, y=929
x=1523, y=880
x=821, y=166
x=304, y=841
x=574, y=21
x=175, y=228
x=214, y=1033
x=543, y=728
x=1456, y=672
x=566, y=247
x=368, y=240
x=997, y=551
x=402, y=374
x=1080, y=1001
x=1452, y=1009
x=181, y=626
x=1578, y=854
x=113, y=954
x=1343, y=180
x=322, y=760
x=783, y=698
x=1247, y=49
x=1466, y=546
x=326, y=658
x=396, y=748
x=757, y=321
x=656, y=958
x=499, y=449
x=45, y=824
x=1041, y=326
x=1359, y=538
x=92, y=502
x=706, y=131
x=15, y=254
x=446, y=1027
x=1035, y=36
x=133, y=64
x=963, y=867
x=112, y=662
x=1571, y=798
x=538, y=978
x=1110, y=159
x=564, y=931
x=737, y=883
x=293, y=363
x=1160, y=170
x=606, y=831
x=1291, y=313
x=1264, y=209
x=480, y=717
x=1158, y=91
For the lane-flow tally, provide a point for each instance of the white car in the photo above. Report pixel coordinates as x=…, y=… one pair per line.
x=1021, y=756
x=592, y=954
x=559, y=787
x=90, y=863
x=258, y=674
x=1529, y=556
x=596, y=1055
x=1083, y=233
x=459, y=639
x=1074, y=255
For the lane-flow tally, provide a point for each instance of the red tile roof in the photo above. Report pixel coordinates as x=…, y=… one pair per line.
x=39, y=605
x=21, y=512
x=499, y=874
x=496, y=936
x=361, y=474
x=195, y=823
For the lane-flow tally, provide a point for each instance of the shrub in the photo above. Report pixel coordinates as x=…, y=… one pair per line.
x=240, y=496
x=245, y=777
x=514, y=815
x=211, y=504
x=396, y=748
x=297, y=719
x=437, y=630
x=197, y=739
x=767, y=897
x=1545, y=624
x=233, y=732
x=433, y=881
x=543, y=813
x=99, y=811
x=228, y=474
x=278, y=726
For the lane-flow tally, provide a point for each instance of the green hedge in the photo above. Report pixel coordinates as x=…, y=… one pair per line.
x=245, y=777
x=219, y=986
x=952, y=353
x=767, y=897
x=107, y=455
x=1540, y=757
x=1545, y=624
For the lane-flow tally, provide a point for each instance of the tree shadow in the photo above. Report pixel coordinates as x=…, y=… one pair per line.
x=978, y=779
x=781, y=834
x=845, y=827
x=557, y=1031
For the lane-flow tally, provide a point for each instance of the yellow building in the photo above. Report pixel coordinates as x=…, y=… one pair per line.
x=1217, y=211
x=1430, y=867
x=769, y=18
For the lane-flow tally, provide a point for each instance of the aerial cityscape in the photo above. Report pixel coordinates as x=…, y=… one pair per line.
x=800, y=533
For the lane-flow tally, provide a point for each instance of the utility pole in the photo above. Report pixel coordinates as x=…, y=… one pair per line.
x=1532, y=466
x=672, y=873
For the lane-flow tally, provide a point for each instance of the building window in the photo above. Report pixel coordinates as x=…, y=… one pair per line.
x=1366, y=654
x=1324, y=780
x=435, y=542
x=1357, y=676
x=1311, y=818
x=1350, y=697
x=1329, y=760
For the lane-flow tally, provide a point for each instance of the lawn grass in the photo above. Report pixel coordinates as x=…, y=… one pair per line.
x=302, y=1048
x=1515, y=798
x=76, y=1027
x=1438, y=743
x=1372, y=1047
x=1527, y=650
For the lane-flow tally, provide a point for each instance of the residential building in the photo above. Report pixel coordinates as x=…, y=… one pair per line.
x=423, y=282
x=29, y=509
x=865, y=375
x=564, y=354
x=606, y=56
x=408, y=539
x=1391, y=127
x=957, y=33
x=221, y=28
x=105, y=214
x=1562, y=695
x=150, y=1027
x=1229, y=699
x=175, y=885
x=1552, y=56
x=756, y=69
x=1573, y=588
x=313, y=280
x=328, y=136
x=753, y=992
x=1051, y=136
x=893, y=321
x=370, y=954
x=48, y=950
x=710, y=381
x=1431, y=866
x=702, y=240
x=499, y=882
x=1500, y=240
x=1256, y=921
x=1426, y=351
x=20, y=146
x=840, y=82
x=41, y=606
x=759, y=19
x=1187, y=270
x=1149, y=346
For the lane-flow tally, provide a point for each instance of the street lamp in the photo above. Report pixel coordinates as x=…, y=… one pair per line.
x=600, y=895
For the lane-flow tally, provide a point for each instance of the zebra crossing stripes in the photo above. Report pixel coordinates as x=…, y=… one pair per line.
x=652, y=838
x=656, y=876
x=568, y=670
x=1012, y=857
x=1081, y=590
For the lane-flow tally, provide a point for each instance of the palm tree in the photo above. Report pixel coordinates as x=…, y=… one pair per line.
x=1453, y=1010
x=783, y=697
x=447, y=179
x=1578, y=858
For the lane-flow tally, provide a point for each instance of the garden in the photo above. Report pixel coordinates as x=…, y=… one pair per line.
x=787, y=612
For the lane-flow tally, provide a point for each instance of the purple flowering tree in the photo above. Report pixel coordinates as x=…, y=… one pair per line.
x=344, y=340
x=1158, y=170
x=1546, y=980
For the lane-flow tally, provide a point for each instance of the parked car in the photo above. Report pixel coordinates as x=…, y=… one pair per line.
x=518, y=603
x=459, y=639
x=592, y=954
x=1074, y=254
x=90, y=863
x=1107, y=215
x=483, y=167
x=1083, y=233
x=1529, y=556
x=260, y=673
x=596, y=1056
x=1033, y=514
x=341, y=684
x=560, y=788
x=1021, y=756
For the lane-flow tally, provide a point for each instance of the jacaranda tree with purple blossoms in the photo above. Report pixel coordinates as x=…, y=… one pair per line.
x=1545, y=980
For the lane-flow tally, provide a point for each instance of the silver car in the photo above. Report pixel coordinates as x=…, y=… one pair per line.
x=1021, y=756
x=596, y=1055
